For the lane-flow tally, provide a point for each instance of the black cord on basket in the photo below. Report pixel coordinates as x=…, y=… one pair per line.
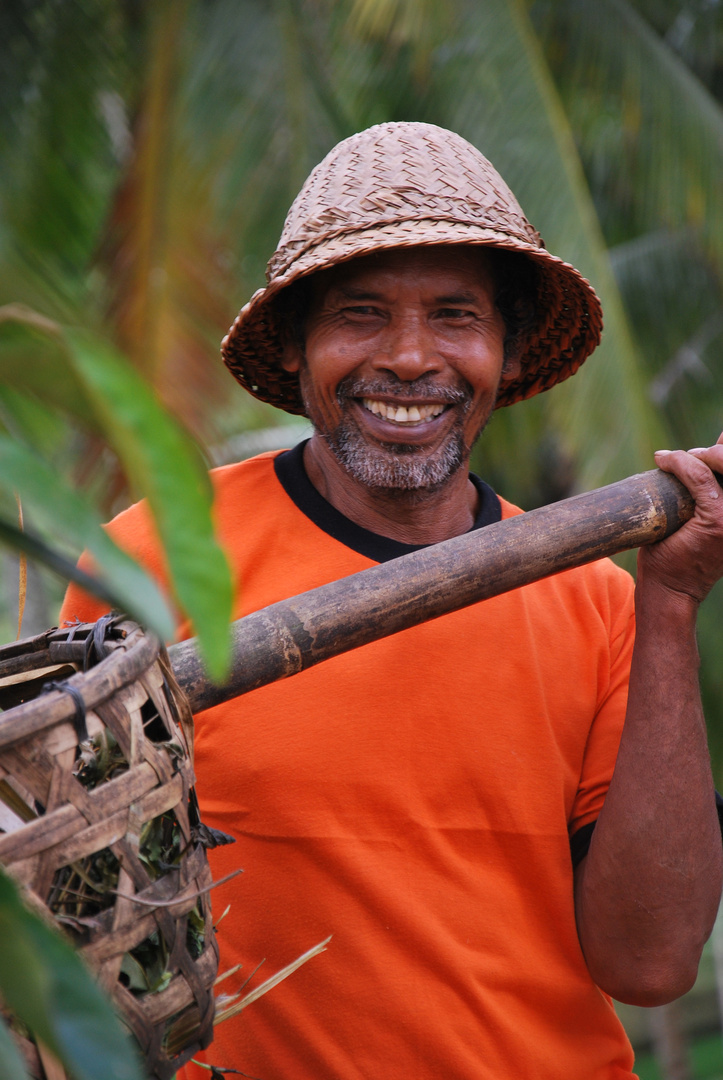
x=78, y=721
x=95, y=642
x=95, y=650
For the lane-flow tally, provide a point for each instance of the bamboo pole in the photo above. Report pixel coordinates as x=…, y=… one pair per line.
x=294, y=634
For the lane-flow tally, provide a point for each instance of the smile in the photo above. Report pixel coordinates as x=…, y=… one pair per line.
x=401, y=414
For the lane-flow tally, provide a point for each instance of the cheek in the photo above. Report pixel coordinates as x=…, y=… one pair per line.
x=324, y=369
x=320, y=400
x=482, y=363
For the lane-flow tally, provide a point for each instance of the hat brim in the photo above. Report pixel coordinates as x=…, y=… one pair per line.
x=567, y=329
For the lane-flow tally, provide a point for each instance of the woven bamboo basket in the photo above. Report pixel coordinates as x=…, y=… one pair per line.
x=115, y=854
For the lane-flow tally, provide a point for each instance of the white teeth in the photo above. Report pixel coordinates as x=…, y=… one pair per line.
x=400, y=414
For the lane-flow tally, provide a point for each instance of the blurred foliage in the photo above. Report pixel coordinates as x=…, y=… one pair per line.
x=149, y=153
x=50, y=992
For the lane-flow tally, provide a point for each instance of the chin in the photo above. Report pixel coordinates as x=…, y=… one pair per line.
x=399, y=468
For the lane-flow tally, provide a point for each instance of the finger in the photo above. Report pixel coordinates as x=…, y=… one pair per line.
x=711, y=455
x=702, y=450
x=694, y=469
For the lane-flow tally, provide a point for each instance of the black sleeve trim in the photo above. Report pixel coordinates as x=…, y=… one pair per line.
x=580, y=841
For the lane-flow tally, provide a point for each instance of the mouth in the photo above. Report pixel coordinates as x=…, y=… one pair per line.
x=404, y=415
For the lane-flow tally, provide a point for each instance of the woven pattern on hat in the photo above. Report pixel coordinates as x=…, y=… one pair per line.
x=438, y=178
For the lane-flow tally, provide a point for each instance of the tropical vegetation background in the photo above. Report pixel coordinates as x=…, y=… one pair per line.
x=148, y=152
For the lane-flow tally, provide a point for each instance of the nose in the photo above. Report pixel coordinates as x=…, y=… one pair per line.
x=409, y=350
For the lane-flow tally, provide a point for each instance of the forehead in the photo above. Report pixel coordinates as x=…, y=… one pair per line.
x=441, y=268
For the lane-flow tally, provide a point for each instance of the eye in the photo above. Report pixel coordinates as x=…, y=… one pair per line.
x=363, y=314
x=455, y=314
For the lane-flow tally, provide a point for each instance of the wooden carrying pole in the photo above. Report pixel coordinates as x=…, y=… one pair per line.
x=295, y=634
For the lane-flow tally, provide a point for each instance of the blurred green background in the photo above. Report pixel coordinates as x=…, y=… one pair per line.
x=149, y=150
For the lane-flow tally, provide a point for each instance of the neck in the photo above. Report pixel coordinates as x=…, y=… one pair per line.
x=421, y=516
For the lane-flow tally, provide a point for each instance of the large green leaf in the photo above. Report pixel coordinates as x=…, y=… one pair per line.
x=31, y=422
x=68, y=517
x=163, y=464
x=11, y=1064
x=43, y=981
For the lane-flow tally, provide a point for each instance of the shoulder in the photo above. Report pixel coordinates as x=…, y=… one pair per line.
x=249, y=471
x=236, y=488
x=600, y=589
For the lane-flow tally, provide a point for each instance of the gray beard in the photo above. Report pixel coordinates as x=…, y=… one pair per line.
x=399, y=467
x=396, y=466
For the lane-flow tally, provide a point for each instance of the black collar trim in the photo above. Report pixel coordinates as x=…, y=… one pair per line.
x=289, y=468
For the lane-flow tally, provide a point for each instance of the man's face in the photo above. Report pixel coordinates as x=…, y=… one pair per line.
x=402, y=363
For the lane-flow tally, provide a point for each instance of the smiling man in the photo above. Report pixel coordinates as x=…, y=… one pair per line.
x=505, y=815
x=399, y=368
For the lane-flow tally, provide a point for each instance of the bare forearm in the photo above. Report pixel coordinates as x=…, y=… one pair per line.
x=648, y=891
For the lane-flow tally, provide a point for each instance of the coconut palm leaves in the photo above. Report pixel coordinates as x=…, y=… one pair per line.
x=653, y=153
x=151, y=154
x=148, y=154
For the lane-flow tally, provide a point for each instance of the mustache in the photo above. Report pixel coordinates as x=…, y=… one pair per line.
x=392, y=386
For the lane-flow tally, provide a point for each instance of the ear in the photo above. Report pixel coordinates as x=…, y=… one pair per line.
x=511, y=365
x=291, y=356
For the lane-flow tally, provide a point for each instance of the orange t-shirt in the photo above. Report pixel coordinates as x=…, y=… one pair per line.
x=414, y=799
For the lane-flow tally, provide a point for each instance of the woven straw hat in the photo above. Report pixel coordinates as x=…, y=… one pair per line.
x=405, y=185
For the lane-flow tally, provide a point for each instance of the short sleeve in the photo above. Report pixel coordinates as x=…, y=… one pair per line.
x=618, y=615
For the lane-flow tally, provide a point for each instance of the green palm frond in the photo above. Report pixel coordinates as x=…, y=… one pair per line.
x=650, y=133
